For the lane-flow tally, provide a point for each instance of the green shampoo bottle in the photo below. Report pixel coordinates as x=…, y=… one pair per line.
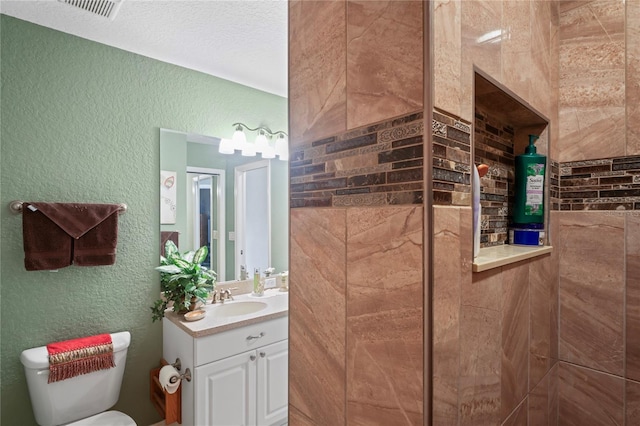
x=529, y=191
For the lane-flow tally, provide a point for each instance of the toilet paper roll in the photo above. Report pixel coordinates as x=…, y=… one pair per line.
x=169, y=378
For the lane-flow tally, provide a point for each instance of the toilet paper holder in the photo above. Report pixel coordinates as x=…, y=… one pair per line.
x=183, y=376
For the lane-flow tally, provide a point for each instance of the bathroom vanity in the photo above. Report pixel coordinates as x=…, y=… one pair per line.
x=238, y=358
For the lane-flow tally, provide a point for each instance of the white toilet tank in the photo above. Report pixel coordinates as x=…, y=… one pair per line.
x=82, y=396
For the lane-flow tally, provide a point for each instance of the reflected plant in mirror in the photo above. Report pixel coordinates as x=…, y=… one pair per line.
x=235, y=205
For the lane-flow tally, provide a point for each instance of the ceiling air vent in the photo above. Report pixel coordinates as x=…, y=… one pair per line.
x=105, y=8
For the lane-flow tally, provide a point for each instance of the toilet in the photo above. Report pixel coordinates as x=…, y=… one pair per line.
x=82, y=400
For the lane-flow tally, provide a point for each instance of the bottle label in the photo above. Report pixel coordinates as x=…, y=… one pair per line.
x=535, y=190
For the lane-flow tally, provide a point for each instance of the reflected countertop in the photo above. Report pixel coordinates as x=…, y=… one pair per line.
x=277, y=305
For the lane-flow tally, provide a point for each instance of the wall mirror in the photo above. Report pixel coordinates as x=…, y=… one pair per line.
x=237, y=206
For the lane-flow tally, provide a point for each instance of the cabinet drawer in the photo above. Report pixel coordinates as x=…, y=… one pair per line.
x=231, y=342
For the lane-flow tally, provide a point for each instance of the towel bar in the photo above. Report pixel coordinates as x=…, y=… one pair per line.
x=16, y=207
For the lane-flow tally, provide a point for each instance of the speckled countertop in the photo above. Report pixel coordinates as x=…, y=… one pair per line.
x=277, y=305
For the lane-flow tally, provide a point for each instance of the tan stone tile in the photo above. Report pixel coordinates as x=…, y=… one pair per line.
x=317, y=70
x=449, y=243
x=592, y=78
x=541, y=57
x=317, y=316
x=588, y=397
x=554, y=238
x=582, y=131
x=632, y=406
x=592, y=289
x=515, y=336
x=539, y=402
x=384, y=316
x=447, y=55
x=516, y=72
x=485, y=290
x=554, y=82
x=592, y=19
x=480, y=363
x=633, y=297
x=481, y=44
x=553, y=395
x=384, y=60
x=540, y=274
x=519, y=415
x=633, y=77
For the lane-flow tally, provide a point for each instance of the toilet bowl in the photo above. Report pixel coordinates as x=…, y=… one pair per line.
x=79, y=401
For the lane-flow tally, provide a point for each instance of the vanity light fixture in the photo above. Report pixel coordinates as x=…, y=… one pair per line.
x=263, y=144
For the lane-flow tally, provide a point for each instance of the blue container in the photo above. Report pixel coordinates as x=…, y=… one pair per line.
x=532, y=235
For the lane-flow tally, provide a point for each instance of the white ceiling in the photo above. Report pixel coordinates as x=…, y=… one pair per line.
x=239, y=40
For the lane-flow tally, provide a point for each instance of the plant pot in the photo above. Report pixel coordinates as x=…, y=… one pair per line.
x=192, y=306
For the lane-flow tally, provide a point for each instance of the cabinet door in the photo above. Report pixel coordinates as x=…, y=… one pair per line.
x=273, y=379
x=225, y=391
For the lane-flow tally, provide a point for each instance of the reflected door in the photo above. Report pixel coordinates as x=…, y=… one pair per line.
x=253, y=216
x=205, y=214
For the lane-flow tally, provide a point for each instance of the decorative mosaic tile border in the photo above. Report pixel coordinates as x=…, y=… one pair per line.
x=494, y=147
x=451, y=159
x=603, y=184
x=554, y=184
x=380, y=164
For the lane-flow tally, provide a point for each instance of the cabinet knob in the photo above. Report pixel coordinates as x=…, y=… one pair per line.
x=252, y=357
x=262, y=354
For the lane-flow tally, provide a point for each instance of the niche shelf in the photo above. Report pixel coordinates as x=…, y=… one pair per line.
x=502, y=125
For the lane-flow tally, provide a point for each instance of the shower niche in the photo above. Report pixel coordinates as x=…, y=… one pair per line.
x=502, y=125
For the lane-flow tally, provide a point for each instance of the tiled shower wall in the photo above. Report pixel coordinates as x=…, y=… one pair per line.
x=495, y=333
x=599, y=369
x=357, y=218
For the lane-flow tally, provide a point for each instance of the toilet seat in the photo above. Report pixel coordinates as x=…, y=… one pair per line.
x=107, y=418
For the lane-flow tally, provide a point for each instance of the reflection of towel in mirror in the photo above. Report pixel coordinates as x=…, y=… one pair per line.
x=56, y=235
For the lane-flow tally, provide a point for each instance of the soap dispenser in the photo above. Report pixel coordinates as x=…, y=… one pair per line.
x=529, y=191
x=258, y=283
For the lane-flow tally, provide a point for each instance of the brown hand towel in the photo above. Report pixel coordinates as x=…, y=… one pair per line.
x=46, y=246
x=59, y=234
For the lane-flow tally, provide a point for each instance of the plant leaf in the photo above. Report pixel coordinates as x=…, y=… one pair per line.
x=170, y=248
x=200, y=255
x=169, y=269
x=188, y=256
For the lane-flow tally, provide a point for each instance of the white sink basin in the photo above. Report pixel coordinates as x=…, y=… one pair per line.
x=231, y=309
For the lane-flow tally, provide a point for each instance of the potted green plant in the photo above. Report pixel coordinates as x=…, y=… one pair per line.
x=183, y=280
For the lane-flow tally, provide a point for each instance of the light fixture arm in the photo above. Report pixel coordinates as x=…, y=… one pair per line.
x=260, y=128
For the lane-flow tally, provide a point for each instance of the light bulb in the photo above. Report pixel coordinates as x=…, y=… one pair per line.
x=282, y=148
x=226, y=146
x=239, y=139
x=269, y=151
x=249, y=149
x=261, y=142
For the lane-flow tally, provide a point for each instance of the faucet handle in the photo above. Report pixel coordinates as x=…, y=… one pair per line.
x=226, y=294
x=215, y=295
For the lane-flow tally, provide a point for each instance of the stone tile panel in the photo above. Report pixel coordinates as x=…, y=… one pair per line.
x=633, y=297
x=385, y=334
x=515, y=336
x=385, y=36
x=588, y=397
x=318, y=69
x=317, y=317
x=592, y=290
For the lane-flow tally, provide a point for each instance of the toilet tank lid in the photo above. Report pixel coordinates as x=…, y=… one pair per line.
x=38, y=358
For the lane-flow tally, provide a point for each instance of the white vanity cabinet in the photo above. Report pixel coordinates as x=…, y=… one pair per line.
x=239, y=376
